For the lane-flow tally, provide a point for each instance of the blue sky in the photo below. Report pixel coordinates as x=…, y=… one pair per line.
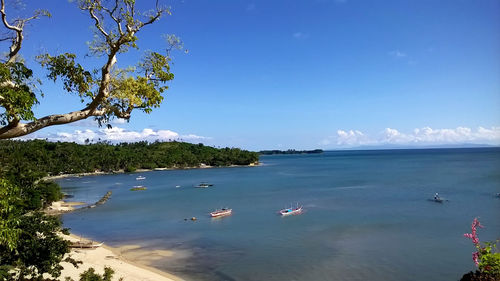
x=279, y=74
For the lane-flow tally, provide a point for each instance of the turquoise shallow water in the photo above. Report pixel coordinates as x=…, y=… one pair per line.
x=367, y=215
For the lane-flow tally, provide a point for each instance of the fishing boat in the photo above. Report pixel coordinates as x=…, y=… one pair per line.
x=437, y=198
x=140, y=178
x=85, y=245
x=204, y=185
x=291, y=211
x=221, y=212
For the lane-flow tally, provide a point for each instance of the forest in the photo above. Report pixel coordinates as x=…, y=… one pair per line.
x=53, y=158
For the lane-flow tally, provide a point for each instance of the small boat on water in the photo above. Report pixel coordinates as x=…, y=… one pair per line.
x=204, y=185
x=437, y=198
x=221, y=212
x=291, y=211
x=140, y=178
x=138, y=187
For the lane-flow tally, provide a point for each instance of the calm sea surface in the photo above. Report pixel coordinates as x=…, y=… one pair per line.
x=367, y=215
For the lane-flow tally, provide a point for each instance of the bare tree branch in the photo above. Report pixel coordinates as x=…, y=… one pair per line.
x=16, y=41
x=117, y=20
x=98, y=24
x=17, y=27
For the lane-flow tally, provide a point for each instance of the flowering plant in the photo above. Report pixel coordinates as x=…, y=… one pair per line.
x=486, y=258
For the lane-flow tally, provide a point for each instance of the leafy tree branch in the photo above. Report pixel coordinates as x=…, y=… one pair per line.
x=106, y=92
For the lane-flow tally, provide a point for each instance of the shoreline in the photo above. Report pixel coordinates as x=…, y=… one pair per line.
x=99, y=173
x=112, y=257
x=116, y=257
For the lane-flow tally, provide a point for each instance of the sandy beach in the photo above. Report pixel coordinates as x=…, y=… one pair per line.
x=96, y=173
x=111, y=257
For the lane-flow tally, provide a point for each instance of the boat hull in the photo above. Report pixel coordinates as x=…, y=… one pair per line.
x=288, y=212
x=224, y=213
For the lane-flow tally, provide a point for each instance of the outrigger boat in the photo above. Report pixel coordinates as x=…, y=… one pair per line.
x=85, y=245
x=204, y=185
x=437, y=198
x=291, y=211
x=221, y=212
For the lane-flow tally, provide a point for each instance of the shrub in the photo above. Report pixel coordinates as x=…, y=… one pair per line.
x=486, y=258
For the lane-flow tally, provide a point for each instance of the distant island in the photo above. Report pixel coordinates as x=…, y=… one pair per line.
x=290, y=151
x=55, y=158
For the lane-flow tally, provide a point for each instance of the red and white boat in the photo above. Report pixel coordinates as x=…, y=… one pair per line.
x=221, y=212
x=291, y=211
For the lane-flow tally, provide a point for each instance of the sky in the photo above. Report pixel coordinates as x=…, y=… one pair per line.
x=300, y=74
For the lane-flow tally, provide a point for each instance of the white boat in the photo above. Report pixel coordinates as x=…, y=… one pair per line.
x=140, y=178
x=221, y=212
x=291, y=211
x=204, y=185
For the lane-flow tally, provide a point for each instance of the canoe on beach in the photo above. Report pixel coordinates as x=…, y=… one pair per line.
x=85, y=245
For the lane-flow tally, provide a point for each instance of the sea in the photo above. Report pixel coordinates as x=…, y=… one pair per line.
x=368, y=215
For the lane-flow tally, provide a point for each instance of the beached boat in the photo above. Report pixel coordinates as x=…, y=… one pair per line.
x=291, y=211
x=138, y=187
x=221, y=212
x=204, y=185
x=140, y=178
x=85, y=245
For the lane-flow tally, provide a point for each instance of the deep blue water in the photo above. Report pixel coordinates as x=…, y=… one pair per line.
x=367, y=215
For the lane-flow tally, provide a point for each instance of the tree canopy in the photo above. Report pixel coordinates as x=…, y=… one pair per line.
x=106, y=92
x=39, y=157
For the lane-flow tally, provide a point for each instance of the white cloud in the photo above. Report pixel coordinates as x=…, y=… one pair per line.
x=350, y=138
x=117, y=134
x=89, y=122
x=425, y=136
x=118, y=121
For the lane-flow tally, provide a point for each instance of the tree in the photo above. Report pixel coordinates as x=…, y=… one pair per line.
x=29, y=240
x=29, y=244
x=106, y=92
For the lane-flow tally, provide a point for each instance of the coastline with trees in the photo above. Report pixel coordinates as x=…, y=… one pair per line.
x=61, y=158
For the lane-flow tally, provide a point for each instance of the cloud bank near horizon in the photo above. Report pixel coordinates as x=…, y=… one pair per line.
x=425, y=136
x=422, y=137
x=117, y=135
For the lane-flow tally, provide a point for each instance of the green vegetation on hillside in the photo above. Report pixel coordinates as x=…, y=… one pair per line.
x=53, y=158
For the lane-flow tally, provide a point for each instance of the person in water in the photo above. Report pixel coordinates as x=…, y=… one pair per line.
x=436, y=196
